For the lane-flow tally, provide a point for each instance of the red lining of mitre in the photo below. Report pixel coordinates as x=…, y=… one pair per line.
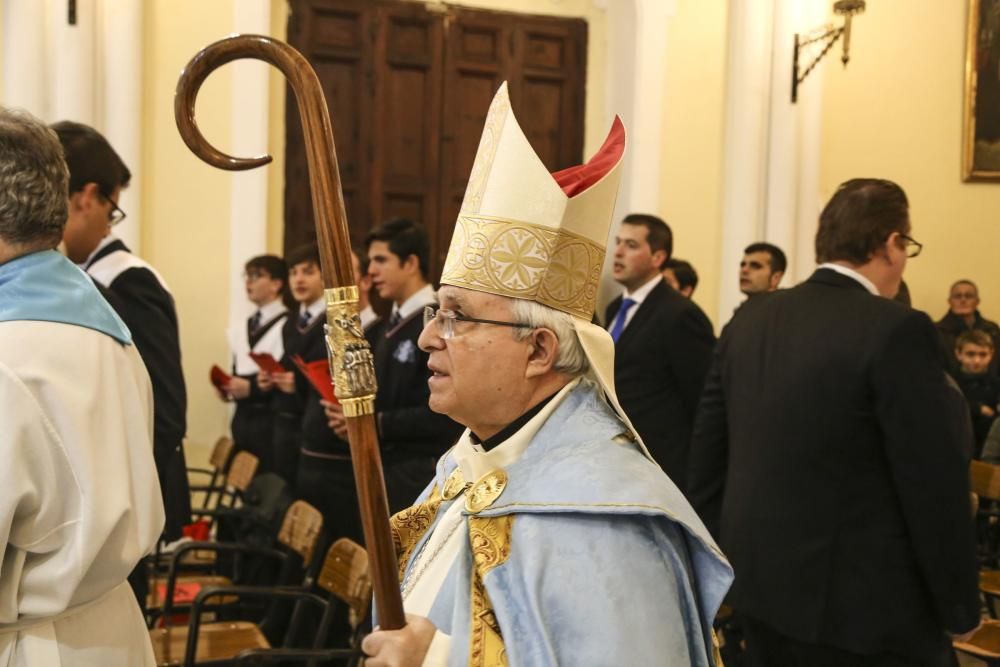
x=574, y=180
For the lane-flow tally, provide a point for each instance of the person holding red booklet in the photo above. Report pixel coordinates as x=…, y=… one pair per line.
x=253, y=343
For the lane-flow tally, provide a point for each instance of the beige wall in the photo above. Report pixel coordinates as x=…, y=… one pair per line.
x=693, y=132
x=276, y=139
x=185, y=212
x=896, y=113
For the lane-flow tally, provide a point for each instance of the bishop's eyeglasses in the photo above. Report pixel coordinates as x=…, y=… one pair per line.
x=446, y=320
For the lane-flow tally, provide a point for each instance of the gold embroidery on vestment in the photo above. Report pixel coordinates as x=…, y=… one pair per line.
x=489, y=538
x=554, y=267
x=410, y=525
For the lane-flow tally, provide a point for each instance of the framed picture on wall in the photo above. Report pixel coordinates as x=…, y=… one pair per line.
x=981, y=141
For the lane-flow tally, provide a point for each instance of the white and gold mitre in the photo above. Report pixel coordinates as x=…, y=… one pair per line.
x=526, y=233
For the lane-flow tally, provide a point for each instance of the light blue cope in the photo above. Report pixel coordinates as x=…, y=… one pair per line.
x=45, y=286
x=609, y=564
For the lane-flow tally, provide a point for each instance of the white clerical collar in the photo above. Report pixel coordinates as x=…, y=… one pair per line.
x=640, y=294
x=851, y=273
x=422, y=297
x=110, y=238
x=271, y=310
x=476, y=462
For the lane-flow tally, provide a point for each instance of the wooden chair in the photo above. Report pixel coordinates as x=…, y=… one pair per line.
x=219, y=460
x=299, y=535
x=345, y=579
x=984, y=644
x=238, y=478
x=240, y=474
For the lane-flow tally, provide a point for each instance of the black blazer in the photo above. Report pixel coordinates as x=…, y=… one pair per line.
x=147, y=308
x=661, y=360
x=830, y=459
x=407, y=426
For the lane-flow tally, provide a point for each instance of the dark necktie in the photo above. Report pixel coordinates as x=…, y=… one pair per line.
x=395, y=319
x=619, y=325
x=255, y=323
x=304, y=319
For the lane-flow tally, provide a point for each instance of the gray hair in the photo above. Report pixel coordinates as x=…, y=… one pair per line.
x=34, y=181
x=571, y=358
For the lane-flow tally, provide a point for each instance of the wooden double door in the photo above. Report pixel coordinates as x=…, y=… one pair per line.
x=408, y=86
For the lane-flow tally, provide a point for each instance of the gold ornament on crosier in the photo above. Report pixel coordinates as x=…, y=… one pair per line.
x=553, y=267
x=352, y=366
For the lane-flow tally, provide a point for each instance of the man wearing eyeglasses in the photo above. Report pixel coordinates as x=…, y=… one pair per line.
x=547, y=536
x=97, y=175
x=829, y=458
x=963, y=315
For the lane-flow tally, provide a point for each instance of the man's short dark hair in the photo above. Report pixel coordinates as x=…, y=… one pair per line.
x=90, y=158
x=684, y=273
x=778, y=260
x=308, y=253
x=405, y=238
x=33, y=178
x=859, y=218
x=272, y=265
x=658, y=233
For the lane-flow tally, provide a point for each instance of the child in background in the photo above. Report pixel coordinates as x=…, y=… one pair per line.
x=974, y=351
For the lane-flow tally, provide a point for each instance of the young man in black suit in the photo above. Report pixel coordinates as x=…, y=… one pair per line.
x=830, y=458
x=412, y=437
x=141, y=298
x=663, y=344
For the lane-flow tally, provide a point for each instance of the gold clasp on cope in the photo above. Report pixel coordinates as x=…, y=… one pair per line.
x=454, y=485
x=486, y=490
x=352, y=366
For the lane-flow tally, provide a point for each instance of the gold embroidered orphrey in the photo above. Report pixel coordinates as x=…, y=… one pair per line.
x=409, y=526
x=489, y=538
x=524, y=260
x=352, y=366
x=486, y=490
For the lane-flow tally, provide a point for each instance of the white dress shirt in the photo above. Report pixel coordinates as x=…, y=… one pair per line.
x=638, y=296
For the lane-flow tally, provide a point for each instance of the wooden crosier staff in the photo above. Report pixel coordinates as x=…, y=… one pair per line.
x=350, y=357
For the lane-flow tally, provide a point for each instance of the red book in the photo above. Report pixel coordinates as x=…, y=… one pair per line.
x=267, y=363
x=318, y=374
x=220, y=379
x=184, y=593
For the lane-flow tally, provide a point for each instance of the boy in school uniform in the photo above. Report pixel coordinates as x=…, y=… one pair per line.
x=253, y=421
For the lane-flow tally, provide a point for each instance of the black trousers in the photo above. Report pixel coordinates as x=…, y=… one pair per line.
x=253, y=428
x=767, y=647
x=285, y=446
x=328, y=485
x=405, y=478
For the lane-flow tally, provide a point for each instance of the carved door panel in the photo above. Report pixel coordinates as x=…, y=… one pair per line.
x=408, y=87
x=407, y=108
x=336, y=37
